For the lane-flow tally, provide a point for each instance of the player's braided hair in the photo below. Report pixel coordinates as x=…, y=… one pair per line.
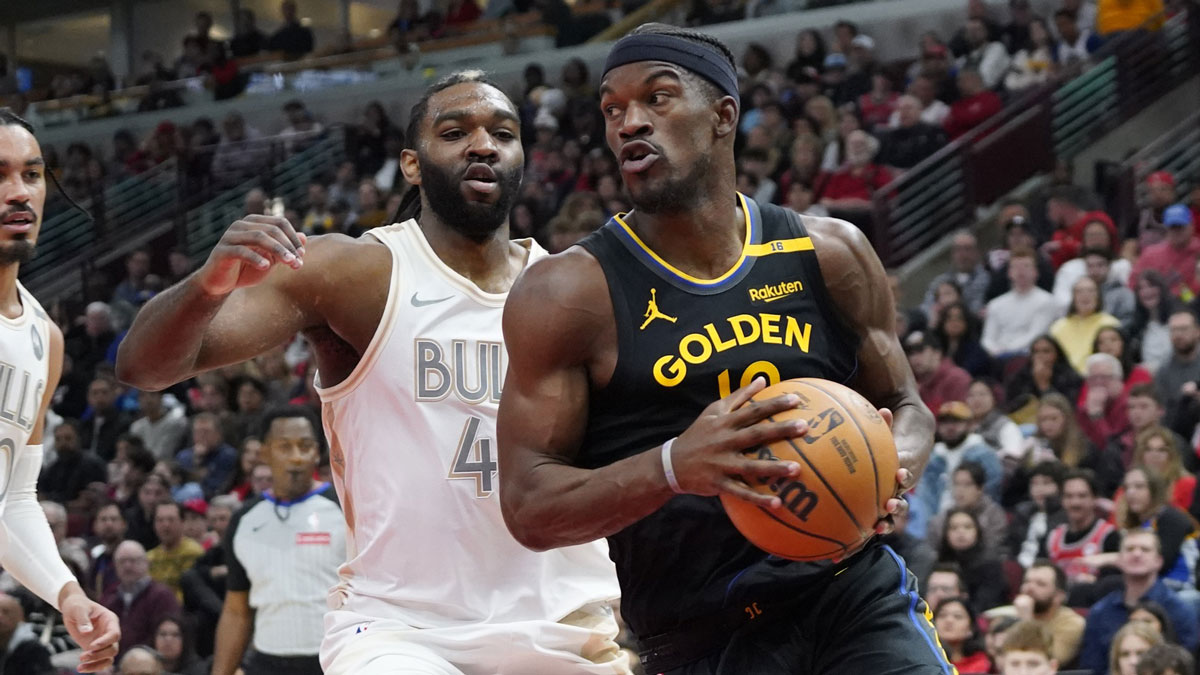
x=8, y=117
x=410, y=204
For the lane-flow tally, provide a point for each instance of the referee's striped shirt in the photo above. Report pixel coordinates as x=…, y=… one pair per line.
x=286, y=555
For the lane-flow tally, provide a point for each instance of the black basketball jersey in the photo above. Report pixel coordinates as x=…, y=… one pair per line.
x=683, y=343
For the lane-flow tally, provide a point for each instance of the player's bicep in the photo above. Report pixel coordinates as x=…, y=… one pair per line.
x=253, y=320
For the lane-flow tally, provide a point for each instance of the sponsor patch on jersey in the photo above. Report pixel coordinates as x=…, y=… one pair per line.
x=772, y=292
x=313, y=538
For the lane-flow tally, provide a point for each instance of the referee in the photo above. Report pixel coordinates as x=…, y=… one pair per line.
x=283, y=552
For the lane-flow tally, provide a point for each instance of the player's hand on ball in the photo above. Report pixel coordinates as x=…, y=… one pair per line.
x=905, y=481
x=707, y=457
x=93, y=627
x=247, y=252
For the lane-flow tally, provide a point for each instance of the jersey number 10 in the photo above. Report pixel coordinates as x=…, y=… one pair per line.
x=473, y=460
x=764, y=368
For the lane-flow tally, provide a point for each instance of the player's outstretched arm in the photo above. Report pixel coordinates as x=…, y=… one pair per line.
x=554, y=320
x=255, y=291
x=858, y=285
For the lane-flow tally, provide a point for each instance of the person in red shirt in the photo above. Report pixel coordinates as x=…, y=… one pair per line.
x=938, y=378
x=1175, y=257
x=959, y=634
x=852, y=186
x=976, y=104
x=876, y=106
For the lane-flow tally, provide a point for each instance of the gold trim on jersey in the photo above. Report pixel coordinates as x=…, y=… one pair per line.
x=780, y=246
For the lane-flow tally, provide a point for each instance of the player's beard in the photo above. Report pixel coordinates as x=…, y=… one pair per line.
x=16, y=252
x=674, y=193
x=474, y=220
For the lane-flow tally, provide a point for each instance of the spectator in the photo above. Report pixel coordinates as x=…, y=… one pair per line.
x=270, y=558
x=302, y=130
x=1028, y=649
x=1175, y=257
x=993, y=426
x=132, y=289
x=138, y=601
x=1085, y=13
x=1114, y=16
x=1139, y=559
x=1150, y=318
x=805, y=167
x=977, y=10
x=1165, y=659
x=958, y=634
x=877, y=105
x=1076, y=332
x=1034, y=62
x=911, y=139
x=933, y=110
x=141, y=660
x=140, y=516
x=1016, y=33
x=162, y=429
x=179, y=264
x=1075, y=45
x=1177, y=379
x=966, y=269
x=1128, y=645
x=1041, y=599
x=1146, y=412
x=1017, y=317
x=1155, y=616
x=129, y=469
x=990, y=523
x=1118, y=299
x=959, y=330
x=976, y=105
x=1160, y=194
x=23, y=653
x=175, y=553
x=939, y=380
x=103, y=423
x=944, y=581
x=1104, y=413
x=984, y=54
x=1157, y=450
x=240, y=154
x=74, y=470
x=1096, y=232
x=1064, y=211
x=173, y=642
x=109, y=529
x=1144, y=504
x=852, y=187
x=1031, y=520
x=1019, y=235
x=89, y=344
x=251, y=395
x=810, y=54
x=292, y=38
x=247, y=40
x=861, y=58
x=955, y=445
x=371, y=212
x=204, y=584
x=209, y=455
x=1076, y=546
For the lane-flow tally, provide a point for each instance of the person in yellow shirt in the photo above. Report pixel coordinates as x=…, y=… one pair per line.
x=1114, y=16
x=1076, y=331
x=175, y=553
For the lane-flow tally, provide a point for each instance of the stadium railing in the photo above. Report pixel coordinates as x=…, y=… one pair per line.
x=1054, y=121
x=1176, y=151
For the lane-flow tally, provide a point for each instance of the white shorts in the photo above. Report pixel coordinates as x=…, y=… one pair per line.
x=583, y=643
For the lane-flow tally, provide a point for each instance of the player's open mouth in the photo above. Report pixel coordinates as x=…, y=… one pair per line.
x=481, y=178
x=637, y=156
x=18, y=222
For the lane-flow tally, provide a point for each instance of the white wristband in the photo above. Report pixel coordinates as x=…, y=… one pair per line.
x=668, y=469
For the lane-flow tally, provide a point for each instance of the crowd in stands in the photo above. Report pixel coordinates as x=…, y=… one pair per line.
x=1059, y=507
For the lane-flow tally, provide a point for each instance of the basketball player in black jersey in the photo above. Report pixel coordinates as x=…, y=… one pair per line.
x=632, y=356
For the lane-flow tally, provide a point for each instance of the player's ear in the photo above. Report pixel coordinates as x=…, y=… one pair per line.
x=410, y=166
x=726, y=111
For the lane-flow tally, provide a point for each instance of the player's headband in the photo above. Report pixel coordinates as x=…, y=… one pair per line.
x=699, y=58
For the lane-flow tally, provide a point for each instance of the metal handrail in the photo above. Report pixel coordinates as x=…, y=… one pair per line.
x=1056, y=120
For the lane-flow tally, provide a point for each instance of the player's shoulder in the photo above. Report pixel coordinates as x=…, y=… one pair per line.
x=834, y=235
x=561, y=295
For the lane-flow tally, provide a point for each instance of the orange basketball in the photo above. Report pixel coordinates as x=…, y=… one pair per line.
x=848, y=467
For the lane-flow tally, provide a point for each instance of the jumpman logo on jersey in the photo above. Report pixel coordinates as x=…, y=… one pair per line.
x=652, y=312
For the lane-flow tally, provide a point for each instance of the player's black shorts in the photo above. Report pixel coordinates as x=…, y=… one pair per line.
x=867, y=620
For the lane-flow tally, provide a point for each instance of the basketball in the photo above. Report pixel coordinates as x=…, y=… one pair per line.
x=848, y=467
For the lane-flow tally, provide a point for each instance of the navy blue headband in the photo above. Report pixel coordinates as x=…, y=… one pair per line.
x=699, y=58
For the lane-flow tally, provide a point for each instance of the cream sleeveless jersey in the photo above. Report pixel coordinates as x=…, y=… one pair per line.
x=413, y=452
x=24, y=369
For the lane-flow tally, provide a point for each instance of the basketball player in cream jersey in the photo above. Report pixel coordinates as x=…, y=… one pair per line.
x=31, y=352
x=405, y=326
